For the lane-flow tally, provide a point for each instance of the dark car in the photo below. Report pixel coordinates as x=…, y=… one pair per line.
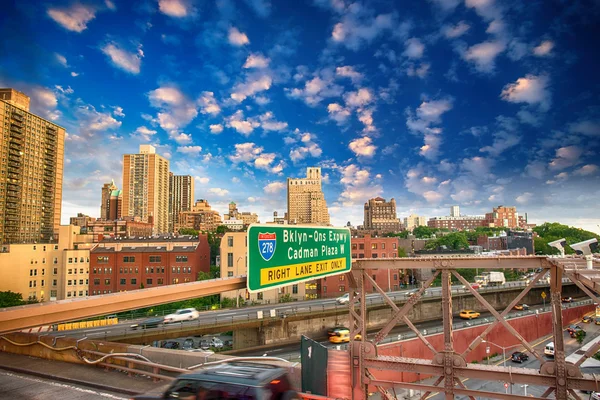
x=587, y=319
x=152, y=322
x=519, y=357
x=573, y=328
x=234, y=380
x=171, y=345
x=567, y=299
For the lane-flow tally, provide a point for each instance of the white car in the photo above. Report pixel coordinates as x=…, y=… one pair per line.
x=345, y=299
x=216, y=343
x=186, y=314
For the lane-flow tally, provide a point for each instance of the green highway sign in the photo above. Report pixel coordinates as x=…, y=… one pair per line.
x=281, y=255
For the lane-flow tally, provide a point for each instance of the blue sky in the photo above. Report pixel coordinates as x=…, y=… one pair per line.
x=477, y=102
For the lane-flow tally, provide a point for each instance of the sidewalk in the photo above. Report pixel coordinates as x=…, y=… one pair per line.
x=90, y=376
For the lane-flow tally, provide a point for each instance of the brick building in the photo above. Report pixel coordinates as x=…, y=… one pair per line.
x=502, y=216
x=366, y=247
x=514, y=240
x=130, y=264
x=460, y=223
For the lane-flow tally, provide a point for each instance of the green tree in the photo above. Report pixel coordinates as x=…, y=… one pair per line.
x=452, y=241
x=221, y=229
x=215, y=272
x=188, y=231
x=11, y=299
x=286, y=298
x=214, y=243
x=422, y=232
x=551, y=231
x=203, y=276
x=401, y=252
x=580, y=336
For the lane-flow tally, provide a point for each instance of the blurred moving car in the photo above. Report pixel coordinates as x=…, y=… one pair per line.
x=587, y=319
x=186, y=314
x=519, y=357
x=549, y=349
x=152, y=322
x=595, y=396
x=574, y=329
x=345, y=299
x=597, y=321
x=343, y=336
x=335, y=330
x=473, y=285
x=567, y=299
x=521, y=307
x=234, y=380
x=469, y=314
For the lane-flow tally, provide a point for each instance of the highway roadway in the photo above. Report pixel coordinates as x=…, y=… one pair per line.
x=250, y=313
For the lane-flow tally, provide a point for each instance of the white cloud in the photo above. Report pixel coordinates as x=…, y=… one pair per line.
x=586, y=127
x=363, y=147
x=268, y=123
x=464, y=195
x=202, y=180
x=479, y=167
x=241, y=125
x=307, y=148
x=566, y=157
x=544, y=49
x=110, y=5
x=487, y=9
x=237, y=38
x=219, y=192
x=452, y=32
x=502, y=141
x=176, y=110
x=44, y=103
x=358, y=27
x=253, y=84
x=414, y=48
x=420, y=71
x=338, y=113
x=208, y=104
x=256, y=60
x=430, y=150
x=93, y=121
x=74, y=18
x=588, y=169
x=360, y=98
x=535, y=169
x=62, y=60
x=483, y=55
x=216, y=129
x=531, y=89
x=74, y=74
x=524, y=198
x=69, y=90
x=235, y=179
x=365, y=115
x=318, y=88
x=127, y=61
x=261, y=100
x=274, y=187
x=175, y=8
x=144, y=133
x=527, y=117
x=194, y=150
x=262, y=8
x=118, y=111
x=429, y=113
x=433, y=197
x=251, y=154
x=358, y=186
x=349, y=72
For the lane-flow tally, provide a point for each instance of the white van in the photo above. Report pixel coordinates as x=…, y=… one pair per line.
x=549, y=349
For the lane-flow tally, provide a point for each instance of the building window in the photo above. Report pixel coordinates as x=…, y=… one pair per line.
x=342, y=277
x=55, y=260
x=80, y=293
x=394, y=245
x=374, y=246
x=53, y=294
x=382, y=246
x=181, y=259
x=230, y=241
x=69, y=282
x=361, y=256
x=259, y=296
x=129, y=259
x=133, y=281
x=43, y=271
x=155, y=259
x=102, y=259
x=149, y=281
x=382, y=255
x=43, y=283
x=230, y=273
x=353, y=255
x=229, y=260
x=295, y=289
x=159, y=281
x=375, y=278
x=68, y=294
x=107, y=281
x=361, y=246
x=70, y=260
x=175, y=281
x=54, y=282
x=342, y=288
x=54, y=271
x=395, y=277
x=96, y=281
x=354, y=246
x=374, y=255
x=324, y=289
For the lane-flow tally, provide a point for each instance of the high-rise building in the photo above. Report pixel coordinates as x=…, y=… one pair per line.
x=181, y=197
x=305, y=199
x=201, y=218
x=31, y=172
x=112, y=199
x=146, y=188
x=413, y=221
x=381, y=216
x=454, y=211
x=502, y=217
x=246, y=217
x=81, y=220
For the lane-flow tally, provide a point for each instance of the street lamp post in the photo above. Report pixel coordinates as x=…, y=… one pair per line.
x=503, y=354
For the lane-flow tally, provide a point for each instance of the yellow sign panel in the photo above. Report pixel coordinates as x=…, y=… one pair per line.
x=543, y=295
x=294, y=272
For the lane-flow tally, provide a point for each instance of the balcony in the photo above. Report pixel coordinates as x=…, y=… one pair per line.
x=12, y=194
x=20, y=124
x=14, y=164
x=13, y=175
x=51, y=128
x=12, y=217
x=18, y=141
x=15, y=145
x=17, y=116
x=11, y=206
x=16, y=134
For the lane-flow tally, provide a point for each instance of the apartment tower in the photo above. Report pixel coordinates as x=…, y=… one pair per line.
x=112, y=197
x=380, y=215
x=146, y=188
x=181, y=197
x=31, y=172
x=305, y=199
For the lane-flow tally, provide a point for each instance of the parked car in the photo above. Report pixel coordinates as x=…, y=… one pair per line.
x=186, y=314
x=597, y=321
x=204, y=344
x=521, y=307
x=345, y=299
x=216, y=343
x=567, y=299
x=587, y=319
x=519, y=357
x=228, y=343
x=188, y=344
x=234, y=380
x=171, y=345
x=469, y=314
x=152, y=322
